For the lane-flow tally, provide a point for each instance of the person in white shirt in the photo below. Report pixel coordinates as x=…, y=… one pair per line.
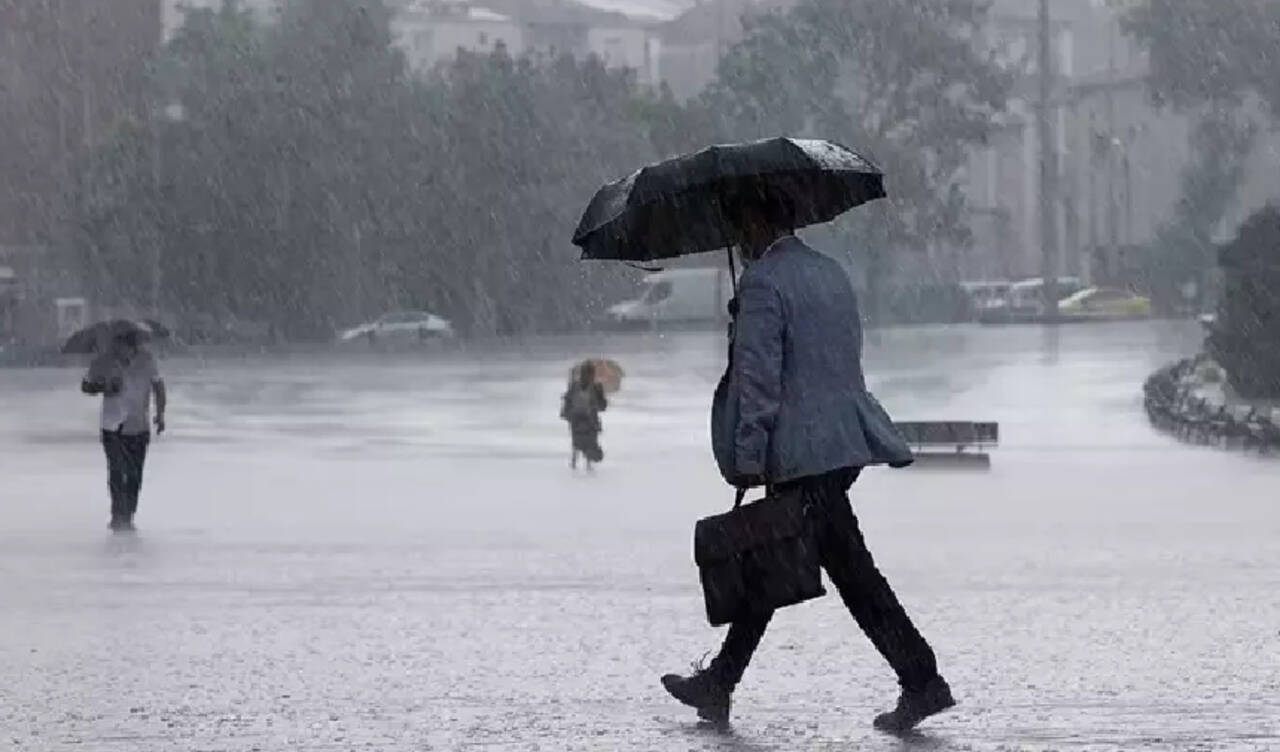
x=126, y=375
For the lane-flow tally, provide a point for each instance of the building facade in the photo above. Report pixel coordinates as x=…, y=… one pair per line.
x=692, y=42
x=1117, y=157
x=173, y=12
x=1120, y=159
x=622, y=33
x=432, y=32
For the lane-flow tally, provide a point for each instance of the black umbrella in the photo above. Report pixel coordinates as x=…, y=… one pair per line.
x=94, y=337
x=677, y=207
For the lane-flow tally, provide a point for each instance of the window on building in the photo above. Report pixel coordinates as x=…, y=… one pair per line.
x=424, y=42
x=615, y=51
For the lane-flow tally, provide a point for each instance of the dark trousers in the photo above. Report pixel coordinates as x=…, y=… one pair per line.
x=586, y=441
x=126, y=455
x=863, y=589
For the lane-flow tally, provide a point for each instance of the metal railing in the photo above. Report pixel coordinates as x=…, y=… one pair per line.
x=1172, y=407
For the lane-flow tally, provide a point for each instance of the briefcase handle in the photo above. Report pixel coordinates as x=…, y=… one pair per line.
x=741, y=494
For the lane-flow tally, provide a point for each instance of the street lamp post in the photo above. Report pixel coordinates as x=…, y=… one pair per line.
x=169, y=114
x=1048, y=167
x=156, y=238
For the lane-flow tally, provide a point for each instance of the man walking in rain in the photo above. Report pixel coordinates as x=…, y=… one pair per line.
x=793, y=413
x=126, y=375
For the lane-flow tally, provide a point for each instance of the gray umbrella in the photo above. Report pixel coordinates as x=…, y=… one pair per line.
x=677, y=207
x=94, y=337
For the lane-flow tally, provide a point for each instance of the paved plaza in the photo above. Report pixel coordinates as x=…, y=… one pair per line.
x=390, y=553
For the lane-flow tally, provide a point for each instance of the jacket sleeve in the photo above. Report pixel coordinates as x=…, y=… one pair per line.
x=99, y=369
x=757, y=363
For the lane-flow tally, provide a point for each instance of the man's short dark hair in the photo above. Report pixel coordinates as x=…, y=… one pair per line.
x=774, y=207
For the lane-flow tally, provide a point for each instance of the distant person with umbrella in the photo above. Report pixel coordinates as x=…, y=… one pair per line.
x=125, y=374
x=580, y=407
x=792, y=411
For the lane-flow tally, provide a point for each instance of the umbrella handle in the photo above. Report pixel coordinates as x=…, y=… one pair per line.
x=733, y=279
x=733, y=272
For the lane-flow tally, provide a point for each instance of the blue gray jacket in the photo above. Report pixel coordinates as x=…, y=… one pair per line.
x=793, y=402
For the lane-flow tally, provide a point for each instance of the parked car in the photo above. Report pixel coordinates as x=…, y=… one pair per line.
x=400, y=326
x=987, y=295
x=1105, y=303
x=677, y=297
x=1024, y=302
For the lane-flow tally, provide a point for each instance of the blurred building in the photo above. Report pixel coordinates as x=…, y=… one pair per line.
x=69, y=73
x=622, y=33
x=693, y=41
x=432, y=31
x=1119, y=157
x=173, y=12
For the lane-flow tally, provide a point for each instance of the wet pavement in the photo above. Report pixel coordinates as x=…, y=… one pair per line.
x=390, y=553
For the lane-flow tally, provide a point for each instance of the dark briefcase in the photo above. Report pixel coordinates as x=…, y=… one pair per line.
x=758, y=557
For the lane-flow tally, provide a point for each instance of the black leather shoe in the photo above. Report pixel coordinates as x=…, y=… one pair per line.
x=703, y=692
x=914, y=707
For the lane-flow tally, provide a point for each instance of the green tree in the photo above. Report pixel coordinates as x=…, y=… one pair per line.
x=528, y=141
x=114, y=215
x=907, y=82
x=312, y=182
x=1246, y=339
x=1183, y=249
x=1211, y=60
x=1209, y=51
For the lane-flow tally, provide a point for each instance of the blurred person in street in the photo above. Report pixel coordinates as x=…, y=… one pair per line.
x=580, y=407
x=126, y=375
x=793, y=413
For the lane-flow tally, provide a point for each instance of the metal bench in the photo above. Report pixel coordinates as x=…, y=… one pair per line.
x=953, y=439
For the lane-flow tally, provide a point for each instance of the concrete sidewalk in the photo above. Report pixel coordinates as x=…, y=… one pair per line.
x=302, y=582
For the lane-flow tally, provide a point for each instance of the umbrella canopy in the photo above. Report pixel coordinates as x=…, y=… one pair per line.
x=677, y=207
x=95, y=337
x=607, y=372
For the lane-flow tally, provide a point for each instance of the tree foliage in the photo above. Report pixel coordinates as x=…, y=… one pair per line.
x=1246, y=340
x=313, y=182
x=1183, y=248
x=908, y=82
x=1215, y=61
x=1210, y=51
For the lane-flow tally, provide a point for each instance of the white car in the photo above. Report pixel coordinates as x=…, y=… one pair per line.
x=400, y=326
x=677, y=297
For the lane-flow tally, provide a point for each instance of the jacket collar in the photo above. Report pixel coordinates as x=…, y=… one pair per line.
x=784, y=240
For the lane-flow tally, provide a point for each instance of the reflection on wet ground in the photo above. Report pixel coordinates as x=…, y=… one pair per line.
x=389, y=552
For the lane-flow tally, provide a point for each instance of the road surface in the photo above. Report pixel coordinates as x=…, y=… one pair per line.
x=390, y=553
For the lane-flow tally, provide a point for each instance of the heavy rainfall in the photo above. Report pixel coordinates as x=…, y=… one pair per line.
x=453, y=374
